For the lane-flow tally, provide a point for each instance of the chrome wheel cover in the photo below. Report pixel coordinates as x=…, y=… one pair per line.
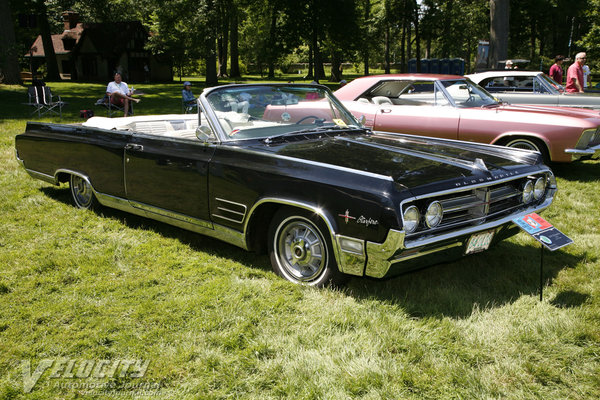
x=523, y=144
x=300, y=249
x=81, y=191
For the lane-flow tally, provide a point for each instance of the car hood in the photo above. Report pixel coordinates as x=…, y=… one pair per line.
x=553, y=110
x=413, y=161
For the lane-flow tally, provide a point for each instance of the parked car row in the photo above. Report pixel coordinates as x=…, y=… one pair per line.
x=391, y=174
x=532, y=87
x=453, y=107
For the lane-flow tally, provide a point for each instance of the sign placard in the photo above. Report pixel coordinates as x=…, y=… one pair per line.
x=543, y=231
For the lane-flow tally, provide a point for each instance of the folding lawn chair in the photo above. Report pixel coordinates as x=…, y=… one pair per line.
x=111, y=108
x=188, y=107
x=41, y=98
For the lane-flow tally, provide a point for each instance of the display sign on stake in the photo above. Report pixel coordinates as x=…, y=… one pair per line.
x=542, y=231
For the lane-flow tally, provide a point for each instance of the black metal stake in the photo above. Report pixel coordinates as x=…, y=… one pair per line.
x=541, y=271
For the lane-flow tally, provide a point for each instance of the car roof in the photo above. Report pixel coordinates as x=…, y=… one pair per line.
x=502, y=72
x=359, y=85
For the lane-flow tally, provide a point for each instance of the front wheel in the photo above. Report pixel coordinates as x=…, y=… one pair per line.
x=300, y=251
x=82, y=193
x=530, y=144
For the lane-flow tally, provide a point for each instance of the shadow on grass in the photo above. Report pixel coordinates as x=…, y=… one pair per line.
x=493, y=278
x=582, y=171
x=569, y=299
x=195, y=241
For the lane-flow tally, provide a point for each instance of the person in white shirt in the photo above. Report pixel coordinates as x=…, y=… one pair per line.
x=119, y=93
x=586, y=76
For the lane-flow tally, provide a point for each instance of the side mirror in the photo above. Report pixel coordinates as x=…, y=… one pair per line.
x=362, y=120
x=203, y=133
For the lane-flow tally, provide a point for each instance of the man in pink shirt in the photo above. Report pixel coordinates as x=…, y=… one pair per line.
x=575, y=74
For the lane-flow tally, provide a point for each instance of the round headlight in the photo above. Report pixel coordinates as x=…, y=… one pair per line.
x=528, y=191
x=433, y=216
x=411, y=219
x=539, y=188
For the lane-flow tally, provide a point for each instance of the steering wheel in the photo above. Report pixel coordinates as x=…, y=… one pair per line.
x=317, y=119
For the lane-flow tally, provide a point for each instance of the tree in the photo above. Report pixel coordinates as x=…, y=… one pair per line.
x=9, y=63
x=499, y=28
x=591, y=40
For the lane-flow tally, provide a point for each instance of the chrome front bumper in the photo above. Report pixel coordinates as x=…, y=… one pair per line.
x=395, y=249
x=576, y=154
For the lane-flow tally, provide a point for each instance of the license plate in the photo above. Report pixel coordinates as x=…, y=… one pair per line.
x=479, y=242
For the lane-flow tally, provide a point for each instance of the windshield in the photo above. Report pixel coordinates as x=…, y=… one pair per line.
x=468, y=94
x=258, y=112
x=558, y=88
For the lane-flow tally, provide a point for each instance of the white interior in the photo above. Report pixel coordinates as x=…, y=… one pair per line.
x=173, y=125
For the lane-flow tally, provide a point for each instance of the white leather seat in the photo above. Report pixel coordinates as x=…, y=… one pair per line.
x=382, y=100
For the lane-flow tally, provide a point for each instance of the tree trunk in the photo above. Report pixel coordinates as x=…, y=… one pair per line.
x=272, y=39
x=223, y=46
x=532, y=38
x=211, y=66
x=319, y=72
x=387, y=49
x=403, y=50
x=446, y=34
x=51, y=63
x=499, y=19
x=9, y=62
x=310, y=74
x=233, y=43
x=415, y=10
x=367, y=43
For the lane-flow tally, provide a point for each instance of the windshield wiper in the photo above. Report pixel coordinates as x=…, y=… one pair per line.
x=316, y=129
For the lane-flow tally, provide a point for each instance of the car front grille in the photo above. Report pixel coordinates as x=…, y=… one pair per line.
x=595, y=140
x=475, y=206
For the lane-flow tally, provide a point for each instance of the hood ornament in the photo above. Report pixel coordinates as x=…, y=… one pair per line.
x=479, y=164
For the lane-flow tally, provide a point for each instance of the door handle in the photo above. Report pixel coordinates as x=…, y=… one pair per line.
x=385, y=110
x=131, y=146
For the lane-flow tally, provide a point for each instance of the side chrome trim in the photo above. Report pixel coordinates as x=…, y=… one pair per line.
x=41, y=176
x=71, y=172
x=236, y=216
x=19, y=160
x=171, y=214
x=202, y=227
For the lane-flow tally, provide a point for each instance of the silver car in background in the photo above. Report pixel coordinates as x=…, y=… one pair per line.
x=532, y=87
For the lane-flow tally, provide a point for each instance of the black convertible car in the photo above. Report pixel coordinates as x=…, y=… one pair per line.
x=287, y=169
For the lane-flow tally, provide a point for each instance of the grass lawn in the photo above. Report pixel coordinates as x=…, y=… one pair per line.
x=213, y=321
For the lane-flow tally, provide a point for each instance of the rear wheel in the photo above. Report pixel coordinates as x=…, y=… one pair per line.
x=82, y=193
x=301, y=250
x=530, y=144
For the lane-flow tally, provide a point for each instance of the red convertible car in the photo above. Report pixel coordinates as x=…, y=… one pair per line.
x=453, y=107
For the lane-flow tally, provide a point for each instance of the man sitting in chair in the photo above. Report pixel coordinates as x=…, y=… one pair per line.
x=119, y=94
